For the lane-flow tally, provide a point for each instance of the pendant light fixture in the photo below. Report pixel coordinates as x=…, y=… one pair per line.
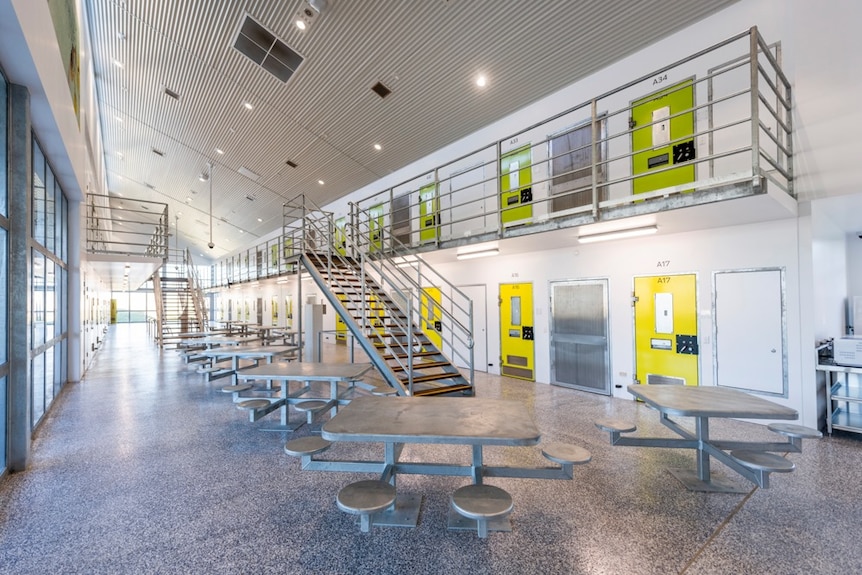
x=209, y=174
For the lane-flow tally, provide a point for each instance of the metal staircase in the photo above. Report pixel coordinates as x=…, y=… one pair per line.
x=415, y=340
x=180, y=306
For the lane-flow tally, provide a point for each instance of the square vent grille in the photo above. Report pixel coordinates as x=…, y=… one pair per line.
x=264, y=49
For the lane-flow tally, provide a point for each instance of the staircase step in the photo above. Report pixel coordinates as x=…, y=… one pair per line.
x=430, y=377
x=423, y=365
x=389, y=357
x=443, y=389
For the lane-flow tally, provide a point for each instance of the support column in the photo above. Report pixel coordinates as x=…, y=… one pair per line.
x=20, y=175
x=74, y=359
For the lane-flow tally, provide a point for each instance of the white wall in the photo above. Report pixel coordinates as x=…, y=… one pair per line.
x=820, y=59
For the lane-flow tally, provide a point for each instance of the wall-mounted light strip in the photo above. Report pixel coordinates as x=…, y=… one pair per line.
x=478, y=254
x=617, y=234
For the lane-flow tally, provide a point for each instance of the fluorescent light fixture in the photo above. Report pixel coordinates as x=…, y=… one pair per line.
x=248, y=105
x=282, y=281
x=321, y=182
x=481, y=81
x=219, y=151
x=478, y=254
x=618, y=234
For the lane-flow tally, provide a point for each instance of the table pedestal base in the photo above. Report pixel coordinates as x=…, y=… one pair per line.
x=405, y=513
x=458, y=522
x=692, y=482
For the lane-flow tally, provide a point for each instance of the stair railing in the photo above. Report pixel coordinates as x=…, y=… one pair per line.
x=316, y=232
x=198, y=298
x=407, y=272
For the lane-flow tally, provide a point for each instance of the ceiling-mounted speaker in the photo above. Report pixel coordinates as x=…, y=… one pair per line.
x=309, y=12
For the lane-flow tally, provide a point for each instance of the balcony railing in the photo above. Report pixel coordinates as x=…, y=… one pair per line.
x=127, y=228
x=711, y=127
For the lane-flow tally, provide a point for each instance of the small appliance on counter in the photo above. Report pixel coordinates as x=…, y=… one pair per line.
x=848, y=351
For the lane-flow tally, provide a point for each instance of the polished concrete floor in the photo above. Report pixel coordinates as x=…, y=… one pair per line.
x=143, y=467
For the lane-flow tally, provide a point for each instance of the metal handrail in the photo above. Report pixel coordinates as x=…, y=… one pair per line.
x=470, y=211
x=121, y=230
x=774, y=122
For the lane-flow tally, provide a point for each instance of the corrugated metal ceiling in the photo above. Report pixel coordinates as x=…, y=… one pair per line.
x=326, y=118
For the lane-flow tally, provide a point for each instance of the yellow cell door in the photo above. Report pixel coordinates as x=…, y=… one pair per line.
x=340, y=326
x=375, y=228
x=665, y=314
x=432, y=315
x=663, y=137
x=517, y=352
x=516, y=186
x=429, y=213
x=340, y=243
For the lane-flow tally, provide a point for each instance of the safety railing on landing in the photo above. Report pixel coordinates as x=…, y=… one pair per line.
x=715, y=125
x=129, y=227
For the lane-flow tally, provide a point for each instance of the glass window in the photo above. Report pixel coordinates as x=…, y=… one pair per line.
x=38, y=299
x=49, y=375
x=3, y=130
x=4, y=282
x=50, y=208
x=3, y=421
x=38, y=194
x=38, y=389
x=64, y=226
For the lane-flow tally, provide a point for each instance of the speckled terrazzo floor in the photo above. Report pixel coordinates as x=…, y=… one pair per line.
x=143, y=467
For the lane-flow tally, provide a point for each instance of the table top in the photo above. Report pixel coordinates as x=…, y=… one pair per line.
x=307, y=371
x=709, y=401
x=260, y=350
x=454, y=420
x=212, y=340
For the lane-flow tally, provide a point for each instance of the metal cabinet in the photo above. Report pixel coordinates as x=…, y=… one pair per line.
x=844, y=397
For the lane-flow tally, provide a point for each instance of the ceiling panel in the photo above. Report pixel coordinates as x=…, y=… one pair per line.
x=325, y=117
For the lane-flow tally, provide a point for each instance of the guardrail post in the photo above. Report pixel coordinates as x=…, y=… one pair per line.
x=755, y=106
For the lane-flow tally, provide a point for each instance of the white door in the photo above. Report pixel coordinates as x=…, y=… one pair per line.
x=750, y=340
x=477, y=293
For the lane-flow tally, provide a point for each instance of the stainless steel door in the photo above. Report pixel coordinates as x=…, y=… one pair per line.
x=579, y=335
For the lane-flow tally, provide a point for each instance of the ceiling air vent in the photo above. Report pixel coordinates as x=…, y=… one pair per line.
x=291, y=164
x=381, y=90
x=264, y=49
x=250, y=198
x=158, y=152
x=172, y=94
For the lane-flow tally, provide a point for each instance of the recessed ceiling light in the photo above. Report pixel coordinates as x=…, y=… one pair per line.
x=188, y=200
x=179, y=214
x=219, y=151
x=121, y=36
x=120, y=155
x=320, y=182
x=248, y=105
x=260, y=220
x=119, y=119
x=242, y=232
x=378, y=147
x=117, y=63
x=300, y=24
x=481, y=80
